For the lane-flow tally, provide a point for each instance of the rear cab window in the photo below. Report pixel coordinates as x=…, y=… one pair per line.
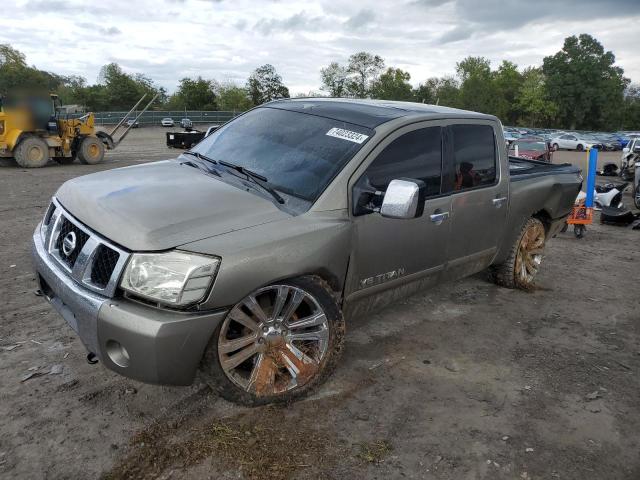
x=475, y=156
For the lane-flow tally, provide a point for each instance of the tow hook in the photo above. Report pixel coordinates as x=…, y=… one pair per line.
x=92, y=359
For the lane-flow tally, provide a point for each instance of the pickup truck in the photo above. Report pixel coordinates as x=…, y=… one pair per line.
x=240, y=260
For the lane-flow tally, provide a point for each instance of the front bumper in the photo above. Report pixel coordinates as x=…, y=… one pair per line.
x=138, y=341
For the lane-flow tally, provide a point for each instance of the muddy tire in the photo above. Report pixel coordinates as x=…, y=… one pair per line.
x=277, y=344
x=521, y=266
x=91, y=151
x=32, y=152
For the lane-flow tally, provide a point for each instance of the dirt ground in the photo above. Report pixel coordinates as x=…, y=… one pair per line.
x=466, y=381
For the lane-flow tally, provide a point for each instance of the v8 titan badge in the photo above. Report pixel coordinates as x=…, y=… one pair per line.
x=354, y=137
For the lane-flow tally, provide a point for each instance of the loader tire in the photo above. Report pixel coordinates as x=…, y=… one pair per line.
x=91, y=151
x=521, y=266
x=32, y=152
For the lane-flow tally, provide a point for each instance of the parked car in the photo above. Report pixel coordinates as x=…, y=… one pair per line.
x=532, y=148
x=132, y=122
x=607, y=141
x=571, y=141
x=167, y=122
x=243, y=256
x=186, y=123
x=511, y=137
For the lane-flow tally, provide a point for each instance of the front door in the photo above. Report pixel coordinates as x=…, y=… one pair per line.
x=479, y=201
x=388, y=252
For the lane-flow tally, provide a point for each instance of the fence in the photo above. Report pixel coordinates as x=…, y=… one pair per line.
x=154, y=117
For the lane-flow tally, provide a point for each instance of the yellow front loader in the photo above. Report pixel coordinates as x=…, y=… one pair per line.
x=32, y=131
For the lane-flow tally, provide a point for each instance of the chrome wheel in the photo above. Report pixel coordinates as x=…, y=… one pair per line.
x=529, y=256
x=274, y=340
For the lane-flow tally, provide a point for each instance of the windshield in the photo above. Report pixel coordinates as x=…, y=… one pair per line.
x=298, y=153
x=537, y=146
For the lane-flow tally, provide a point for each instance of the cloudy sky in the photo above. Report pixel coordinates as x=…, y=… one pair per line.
x=227, y=39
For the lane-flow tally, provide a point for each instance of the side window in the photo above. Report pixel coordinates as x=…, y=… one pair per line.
x=474, y=154
x=416, y=154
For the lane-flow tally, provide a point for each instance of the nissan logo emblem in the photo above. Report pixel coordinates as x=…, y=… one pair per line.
x=69, y=243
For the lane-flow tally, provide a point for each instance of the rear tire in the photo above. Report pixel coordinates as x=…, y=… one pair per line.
x=32, y=152
x=521, y=266
x=636, y=197
x=556, y=147
x=579, y=148
x=264, y=376
x=91, y=151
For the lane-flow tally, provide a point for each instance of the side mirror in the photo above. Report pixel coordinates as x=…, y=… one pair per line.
x=625, y=150
x=404, y=199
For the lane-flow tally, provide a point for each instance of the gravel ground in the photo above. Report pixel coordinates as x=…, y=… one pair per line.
x=464, y=381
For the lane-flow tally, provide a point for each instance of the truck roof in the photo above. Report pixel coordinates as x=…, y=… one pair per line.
x=371, y=113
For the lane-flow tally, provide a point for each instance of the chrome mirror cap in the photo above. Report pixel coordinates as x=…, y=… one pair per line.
x=404, y=199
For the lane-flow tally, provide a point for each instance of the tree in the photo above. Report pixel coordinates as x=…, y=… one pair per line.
x=363, y=70
x=15, y=74
x=194, y=94
x=439, y=91
x=536, y=110
x=585, y=84
x=507, y=83
x=477, y=89
x=334, y=79
x=265, y=84
x=232, y=97
x=393, y=85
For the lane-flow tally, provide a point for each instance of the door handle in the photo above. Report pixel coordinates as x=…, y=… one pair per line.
x=497, y=202
x=438, y=218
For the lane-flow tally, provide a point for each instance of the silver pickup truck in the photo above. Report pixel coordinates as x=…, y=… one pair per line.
x=242, y=258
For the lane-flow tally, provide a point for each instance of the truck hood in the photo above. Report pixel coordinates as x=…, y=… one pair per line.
x=161, y=205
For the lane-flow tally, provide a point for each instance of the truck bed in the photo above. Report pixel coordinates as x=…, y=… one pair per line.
x=521, y=168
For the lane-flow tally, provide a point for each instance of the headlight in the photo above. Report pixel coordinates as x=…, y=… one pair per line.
x=173, y=278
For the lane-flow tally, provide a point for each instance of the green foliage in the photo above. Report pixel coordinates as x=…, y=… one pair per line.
x=443, y=91
x=393, y=85
x=585, y=84
x=334, y=79
x=265, y=84
x=231, y=97
x=533, y=103
x=194, y=94
x=363, y=70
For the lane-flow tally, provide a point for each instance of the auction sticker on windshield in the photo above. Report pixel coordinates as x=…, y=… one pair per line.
x=347, y=135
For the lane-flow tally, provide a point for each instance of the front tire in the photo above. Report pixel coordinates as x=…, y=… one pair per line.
x=580, y=147
x=636, y=197
x=91, y=151
x=277, y=344
x=521, y=266
x=556, y=147
x=32, y=152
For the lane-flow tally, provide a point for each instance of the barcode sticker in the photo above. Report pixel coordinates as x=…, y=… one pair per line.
x=343, y=134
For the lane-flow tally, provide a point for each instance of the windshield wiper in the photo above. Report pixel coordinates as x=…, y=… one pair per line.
x=258, y=179
x=200, y=156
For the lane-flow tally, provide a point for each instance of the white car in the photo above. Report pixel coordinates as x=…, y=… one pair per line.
x=186, y=123
x=167, y=122
x=572, y=141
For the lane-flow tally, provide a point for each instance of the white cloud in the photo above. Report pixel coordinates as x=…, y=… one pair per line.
x=226, y=40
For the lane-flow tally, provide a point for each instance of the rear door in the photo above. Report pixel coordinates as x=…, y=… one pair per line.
x=479, y=196
x=390, y=252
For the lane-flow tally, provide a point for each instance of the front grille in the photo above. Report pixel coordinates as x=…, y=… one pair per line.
x=94, y=262
x=104, y=263
x=66, y=227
